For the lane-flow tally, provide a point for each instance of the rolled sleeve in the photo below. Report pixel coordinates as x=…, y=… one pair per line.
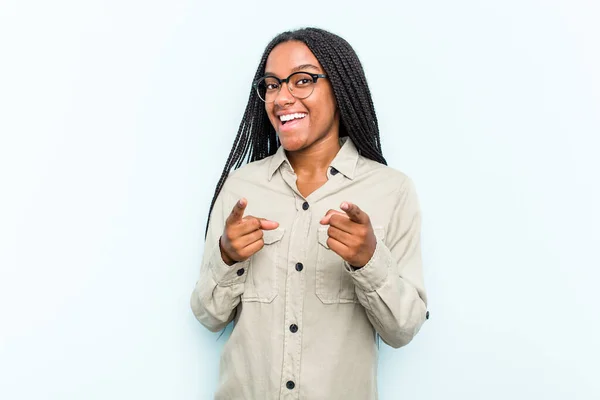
x=390, y=286
x=374, y=274
x=227, y=275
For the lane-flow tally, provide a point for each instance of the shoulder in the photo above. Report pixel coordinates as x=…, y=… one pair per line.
x=395, y=180
x=253, y=171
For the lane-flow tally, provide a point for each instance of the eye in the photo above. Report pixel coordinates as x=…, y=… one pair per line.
x=303, y=80
x=271, y=84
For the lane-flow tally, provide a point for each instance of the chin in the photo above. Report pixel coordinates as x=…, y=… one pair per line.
x=292, y=143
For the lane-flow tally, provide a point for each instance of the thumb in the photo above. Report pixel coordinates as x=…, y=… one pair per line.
x=268, y=225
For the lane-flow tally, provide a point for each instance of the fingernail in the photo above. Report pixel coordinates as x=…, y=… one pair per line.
x=344, y=206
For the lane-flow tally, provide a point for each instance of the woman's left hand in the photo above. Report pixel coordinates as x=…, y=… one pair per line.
x=351, y=235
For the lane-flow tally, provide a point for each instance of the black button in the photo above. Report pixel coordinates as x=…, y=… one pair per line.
x=294, y=328
x=334, y=171
x=299, y=267
x=305, y=206
x=427, y=315
x=290, y=385
x=240, y=272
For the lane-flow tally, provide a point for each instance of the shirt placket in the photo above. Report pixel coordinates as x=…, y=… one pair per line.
x=294, y=291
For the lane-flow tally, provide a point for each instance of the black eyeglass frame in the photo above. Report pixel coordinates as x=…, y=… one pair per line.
x=287, y=80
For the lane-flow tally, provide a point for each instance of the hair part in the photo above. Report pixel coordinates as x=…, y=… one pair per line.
x=256, y=138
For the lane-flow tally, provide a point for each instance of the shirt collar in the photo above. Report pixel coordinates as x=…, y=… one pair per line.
x=278, y=158
x=345, y=160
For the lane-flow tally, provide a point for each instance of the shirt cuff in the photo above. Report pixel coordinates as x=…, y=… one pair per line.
x=227, y=275
x=373, y=275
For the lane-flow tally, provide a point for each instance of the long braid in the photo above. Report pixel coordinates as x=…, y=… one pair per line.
x=256, y=139
x=356, y=107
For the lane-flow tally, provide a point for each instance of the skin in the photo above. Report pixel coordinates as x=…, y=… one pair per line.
x=242, y=236
x=310, y=146
x=313, y=143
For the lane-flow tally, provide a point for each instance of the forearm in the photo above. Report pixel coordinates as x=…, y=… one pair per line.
x=217, y=292
x=394, y=305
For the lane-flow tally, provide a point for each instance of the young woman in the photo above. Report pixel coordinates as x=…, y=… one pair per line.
x=313, y=247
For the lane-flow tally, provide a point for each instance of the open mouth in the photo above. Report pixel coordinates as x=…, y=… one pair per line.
x=291, y=117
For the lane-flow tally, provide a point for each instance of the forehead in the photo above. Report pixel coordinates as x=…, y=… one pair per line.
x=289, y=55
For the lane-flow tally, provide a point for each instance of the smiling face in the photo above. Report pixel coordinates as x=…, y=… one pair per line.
x=301, y=123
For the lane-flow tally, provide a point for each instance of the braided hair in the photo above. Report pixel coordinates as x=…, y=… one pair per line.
x=256, y=138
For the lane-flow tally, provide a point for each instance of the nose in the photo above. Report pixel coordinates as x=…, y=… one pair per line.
x=284, y=96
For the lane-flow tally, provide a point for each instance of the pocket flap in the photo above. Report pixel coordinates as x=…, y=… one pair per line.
x=323, y=236
x=272, y=236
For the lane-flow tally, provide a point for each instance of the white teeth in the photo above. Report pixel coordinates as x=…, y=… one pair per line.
x=290, y=117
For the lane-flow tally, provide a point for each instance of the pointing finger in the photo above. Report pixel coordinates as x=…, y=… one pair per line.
x=238, y=211
x=355, y=213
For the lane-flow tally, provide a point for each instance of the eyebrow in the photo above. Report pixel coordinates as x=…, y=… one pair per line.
x=298, y=68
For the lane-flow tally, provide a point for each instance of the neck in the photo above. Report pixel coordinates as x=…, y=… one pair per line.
x=313, y=161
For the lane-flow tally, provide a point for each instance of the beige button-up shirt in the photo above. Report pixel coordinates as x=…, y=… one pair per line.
x=305, y=322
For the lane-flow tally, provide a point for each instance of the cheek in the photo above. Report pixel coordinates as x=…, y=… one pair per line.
x=322, y=113
x=331, y=105
x=271, y=114
x=326, y=106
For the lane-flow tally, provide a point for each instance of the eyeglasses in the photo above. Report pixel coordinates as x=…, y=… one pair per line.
x=300, y=84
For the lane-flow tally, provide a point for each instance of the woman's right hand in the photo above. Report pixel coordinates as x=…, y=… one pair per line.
x=242, y=236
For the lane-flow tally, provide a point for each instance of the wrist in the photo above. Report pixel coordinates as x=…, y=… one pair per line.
x=224, y=256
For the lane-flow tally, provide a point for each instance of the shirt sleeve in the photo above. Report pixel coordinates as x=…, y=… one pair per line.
x=390, y=286
x=219, y=287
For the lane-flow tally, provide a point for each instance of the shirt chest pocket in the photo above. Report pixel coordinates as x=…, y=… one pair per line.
x=333, y=282
x=261, y=282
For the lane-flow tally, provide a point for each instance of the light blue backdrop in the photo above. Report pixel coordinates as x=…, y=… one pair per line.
x=116, y=118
